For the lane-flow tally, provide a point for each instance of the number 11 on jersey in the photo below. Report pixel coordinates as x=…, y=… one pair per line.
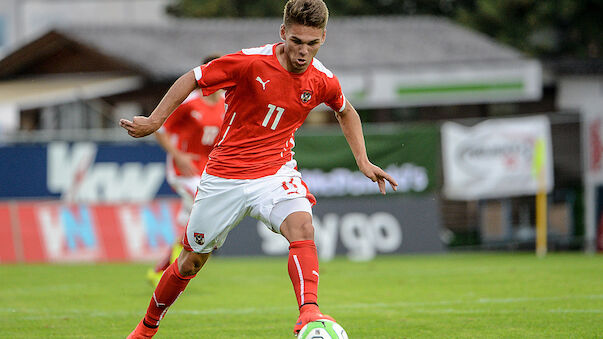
x=271, y=110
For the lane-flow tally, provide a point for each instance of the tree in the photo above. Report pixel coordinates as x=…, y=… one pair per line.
x=541, y=28
x=226, y=8
x=274, y=8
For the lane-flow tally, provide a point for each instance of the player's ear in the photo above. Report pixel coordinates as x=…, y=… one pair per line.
x=282, y=32
x=324, y=36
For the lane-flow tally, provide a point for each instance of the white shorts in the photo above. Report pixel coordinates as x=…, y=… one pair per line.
x=186, y=187
x=221, y=204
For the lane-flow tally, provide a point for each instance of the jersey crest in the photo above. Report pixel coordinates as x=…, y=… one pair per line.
x=200, y=238
x=306, y=96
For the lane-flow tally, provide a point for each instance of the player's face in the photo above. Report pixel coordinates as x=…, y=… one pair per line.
x=301, y=45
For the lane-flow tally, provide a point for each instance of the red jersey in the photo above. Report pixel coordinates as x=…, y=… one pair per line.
x=265, y=105
x=193, y=128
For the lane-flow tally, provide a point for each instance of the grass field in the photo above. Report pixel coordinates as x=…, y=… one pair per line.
x=443, y=296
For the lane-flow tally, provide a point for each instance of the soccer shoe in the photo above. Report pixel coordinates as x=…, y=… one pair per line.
x=309, y=313
x=154, y=277
x=142, y=332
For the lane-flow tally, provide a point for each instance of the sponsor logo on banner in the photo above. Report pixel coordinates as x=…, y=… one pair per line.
x=147, y=229
x=479, y=156
x=68, y=233
x=59, y=232
x=74, y=173
x=342, y=181
x=363, y=235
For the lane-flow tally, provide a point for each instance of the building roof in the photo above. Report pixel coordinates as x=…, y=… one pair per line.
x=355, y=43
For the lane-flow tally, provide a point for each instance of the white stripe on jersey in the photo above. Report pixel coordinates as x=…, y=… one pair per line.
x=231, y=119
x=319, y=66
x=227, y=128
x=197, y=71
x=344, y=103
x=264, y=50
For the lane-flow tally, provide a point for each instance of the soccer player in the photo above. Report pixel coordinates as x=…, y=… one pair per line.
x=188, y=136
x=251, y=171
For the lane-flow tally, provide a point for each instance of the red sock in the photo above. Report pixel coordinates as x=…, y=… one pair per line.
x=171, y=285
x=164, y=263
x=303, y=271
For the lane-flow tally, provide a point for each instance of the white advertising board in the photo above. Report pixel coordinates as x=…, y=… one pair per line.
x=497, y=158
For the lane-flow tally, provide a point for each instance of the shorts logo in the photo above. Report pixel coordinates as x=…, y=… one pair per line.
x=306, y=96
x=199, y=238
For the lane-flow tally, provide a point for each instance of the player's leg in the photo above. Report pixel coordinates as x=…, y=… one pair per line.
x=186, y=188
x=303, y=270
x=303, y=266
x=173, y=282
x=218, y=208
x=284, y=204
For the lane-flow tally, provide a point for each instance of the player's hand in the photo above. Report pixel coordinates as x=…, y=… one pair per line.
x=184, y=163
x=376, y=174
x=140, y=126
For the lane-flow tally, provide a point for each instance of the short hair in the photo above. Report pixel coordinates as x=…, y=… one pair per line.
x=313, y=13
x=210, y=58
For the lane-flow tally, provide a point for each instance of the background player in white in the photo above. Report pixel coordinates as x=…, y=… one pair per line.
x=188, y=137
x=269, y=92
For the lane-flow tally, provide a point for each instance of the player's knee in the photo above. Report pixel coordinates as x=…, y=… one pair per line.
x=306, y=231
x=298, y=226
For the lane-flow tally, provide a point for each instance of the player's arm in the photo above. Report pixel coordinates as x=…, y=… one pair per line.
x=183, y=160
x=141, y=126
x=350, y=123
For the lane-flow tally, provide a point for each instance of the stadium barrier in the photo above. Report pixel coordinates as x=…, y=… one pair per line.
x=135, y=171
x=55, y=231
x=109, y=201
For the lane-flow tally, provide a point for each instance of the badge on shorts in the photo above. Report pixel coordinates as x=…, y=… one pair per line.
x=200, y=238
x=306, y=96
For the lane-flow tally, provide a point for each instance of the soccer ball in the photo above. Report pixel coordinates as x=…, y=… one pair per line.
x=322, y=329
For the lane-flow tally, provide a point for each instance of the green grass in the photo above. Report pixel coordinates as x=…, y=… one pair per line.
x=443, y=296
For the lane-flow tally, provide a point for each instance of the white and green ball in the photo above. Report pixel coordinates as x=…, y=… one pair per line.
x=322, y=329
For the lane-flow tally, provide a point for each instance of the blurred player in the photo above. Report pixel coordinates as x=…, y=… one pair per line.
x=188, y=136
x=251, y=171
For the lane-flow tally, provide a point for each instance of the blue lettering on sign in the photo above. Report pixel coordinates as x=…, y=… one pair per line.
x=78, y=228
x=158, y=226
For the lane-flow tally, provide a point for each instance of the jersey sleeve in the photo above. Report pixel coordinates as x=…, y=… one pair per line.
x=334, y=97
x=220, y=73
